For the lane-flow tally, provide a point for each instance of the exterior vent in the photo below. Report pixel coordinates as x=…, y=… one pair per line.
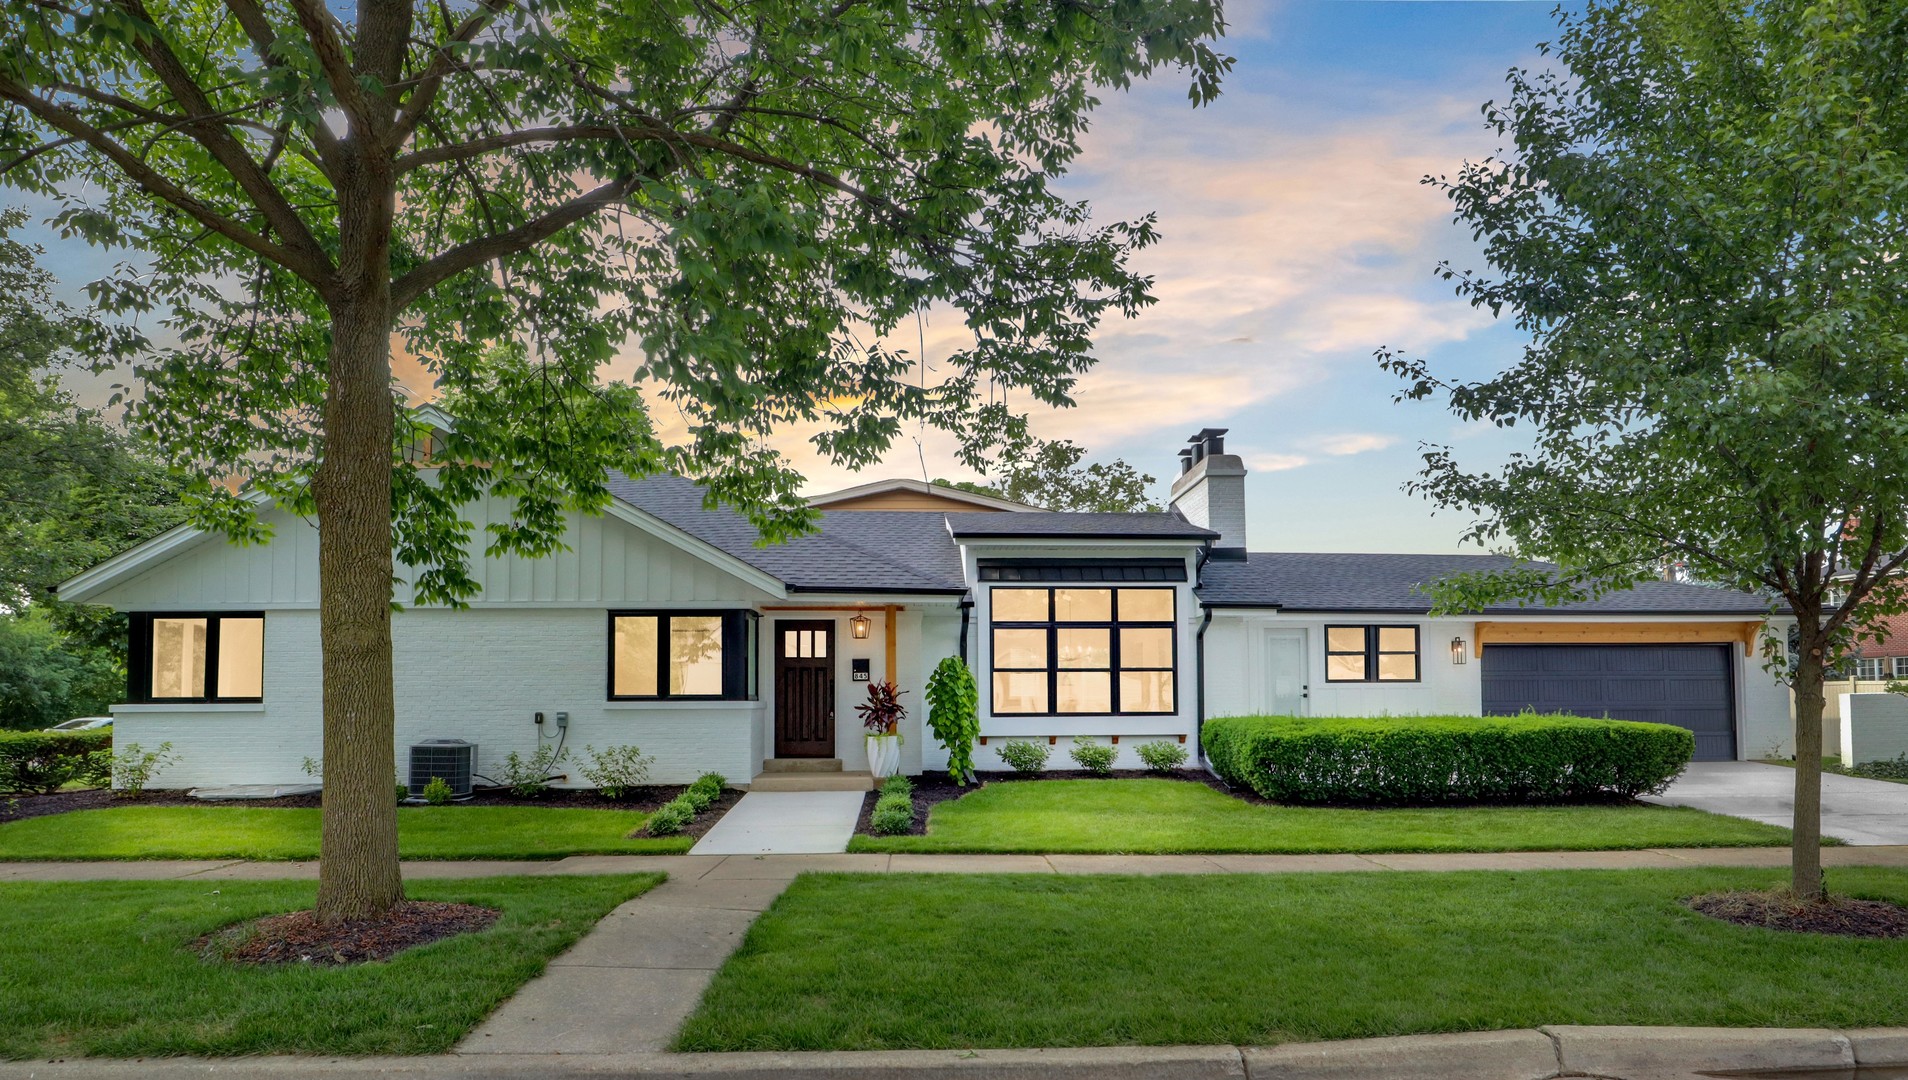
x=452, y=760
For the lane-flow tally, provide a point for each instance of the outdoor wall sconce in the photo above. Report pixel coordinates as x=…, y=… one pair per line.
x=859, y=626
x=1457, y=651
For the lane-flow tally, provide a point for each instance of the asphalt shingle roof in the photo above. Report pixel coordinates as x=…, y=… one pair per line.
x=1299, y=581
x=855, y=551
x=1134, y=526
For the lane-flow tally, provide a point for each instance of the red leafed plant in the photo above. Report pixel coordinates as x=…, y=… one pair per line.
x=883, y=712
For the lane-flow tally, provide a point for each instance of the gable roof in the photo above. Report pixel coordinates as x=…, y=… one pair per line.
x=867, y=551
x=1391, y=584
x=1147, y=525
x=947, y=498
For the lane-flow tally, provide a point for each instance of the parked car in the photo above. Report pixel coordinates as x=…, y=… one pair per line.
x=84, y=723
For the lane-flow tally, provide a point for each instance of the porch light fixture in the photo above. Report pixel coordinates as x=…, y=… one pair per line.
x=1457, y=651
x=859, y=626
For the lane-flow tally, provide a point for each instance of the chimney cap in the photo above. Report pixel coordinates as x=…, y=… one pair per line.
x=1208, y=434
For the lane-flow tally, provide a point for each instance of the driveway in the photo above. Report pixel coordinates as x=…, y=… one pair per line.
x=1853, y=809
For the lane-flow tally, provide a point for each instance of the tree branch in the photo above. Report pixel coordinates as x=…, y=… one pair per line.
x=322, y=30
x=440, y=68
x=509, y=242
x=157, y=185
x=251, y=19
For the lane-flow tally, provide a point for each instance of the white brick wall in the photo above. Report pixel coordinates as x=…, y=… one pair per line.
x=478, y=675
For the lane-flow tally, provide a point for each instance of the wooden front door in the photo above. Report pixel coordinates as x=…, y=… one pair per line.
x=804, y=688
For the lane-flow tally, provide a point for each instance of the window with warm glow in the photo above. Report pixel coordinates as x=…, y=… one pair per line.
x=1371, y=654
x=1083, y=651
x=196, y=658
x=663, y=655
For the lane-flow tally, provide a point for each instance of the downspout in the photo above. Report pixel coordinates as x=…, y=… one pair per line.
x=1199, y=658
x=967, y=613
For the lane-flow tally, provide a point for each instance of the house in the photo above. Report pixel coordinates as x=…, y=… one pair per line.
x=665, y=626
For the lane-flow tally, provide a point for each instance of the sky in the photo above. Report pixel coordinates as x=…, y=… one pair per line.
x=1296, y=240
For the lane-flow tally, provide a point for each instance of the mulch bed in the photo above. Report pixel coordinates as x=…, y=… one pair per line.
x=19, y=807
x=1840, y=915
x=299, y=938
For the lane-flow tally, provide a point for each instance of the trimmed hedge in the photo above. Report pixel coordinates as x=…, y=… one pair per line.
x=32, y=762
x=1446, y=759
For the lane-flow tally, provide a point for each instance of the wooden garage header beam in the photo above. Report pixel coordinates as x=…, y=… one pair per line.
x=1604, y=633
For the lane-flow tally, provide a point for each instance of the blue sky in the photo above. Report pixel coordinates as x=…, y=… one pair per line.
x=1296, y=240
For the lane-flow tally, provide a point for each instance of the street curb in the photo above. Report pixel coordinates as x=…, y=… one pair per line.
x=1622, y=1053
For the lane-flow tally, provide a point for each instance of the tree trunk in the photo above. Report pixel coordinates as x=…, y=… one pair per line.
x=1805, y=860
x=358, y=868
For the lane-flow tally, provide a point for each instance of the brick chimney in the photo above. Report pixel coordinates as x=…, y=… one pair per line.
x=1210, y=491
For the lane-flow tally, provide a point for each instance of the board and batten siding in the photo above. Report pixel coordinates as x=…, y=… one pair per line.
x=608, y=562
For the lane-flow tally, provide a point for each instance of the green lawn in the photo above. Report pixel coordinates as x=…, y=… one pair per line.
x=1160, y=816
x=238, y=832
x=939, y=961
x=1834, y=765
x=107, y=969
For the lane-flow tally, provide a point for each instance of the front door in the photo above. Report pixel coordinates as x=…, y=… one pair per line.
x=1286, y=687
x=804, y=689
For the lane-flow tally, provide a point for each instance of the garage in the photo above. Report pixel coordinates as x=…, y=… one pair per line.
x=1691, y=686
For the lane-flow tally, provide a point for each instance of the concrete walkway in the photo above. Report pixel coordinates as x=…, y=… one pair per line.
x=785, y=823
x=1854, y=809
x=1546, y=1053
x=785, y=867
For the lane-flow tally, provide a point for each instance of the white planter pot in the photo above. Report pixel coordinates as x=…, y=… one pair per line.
x=884, y=755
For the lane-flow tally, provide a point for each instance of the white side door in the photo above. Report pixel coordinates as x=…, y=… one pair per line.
x=1287, y=689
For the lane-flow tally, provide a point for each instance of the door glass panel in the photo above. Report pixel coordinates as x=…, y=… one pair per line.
x=791, y=642
x=1083, y=605
x=241, y=658
x=178, y=658
x=1019, y=605
x=1146, y=605
x=695, y=655
x=1081, y=648
x=1085, y=692
x=818, y=644
x=636, y=656
x=1146, y=648
x=1146, y=691
x=1397, y=639
x=1020, y=691
x=1020, y=648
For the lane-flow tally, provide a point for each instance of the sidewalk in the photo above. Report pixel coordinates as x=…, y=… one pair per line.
x=1612, y=1053
x=787, y=866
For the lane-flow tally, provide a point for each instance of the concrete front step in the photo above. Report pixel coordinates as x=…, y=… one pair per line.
x=802, y=765
x=813, y=781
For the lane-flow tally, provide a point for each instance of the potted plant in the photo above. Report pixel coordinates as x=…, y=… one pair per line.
x=881, y=717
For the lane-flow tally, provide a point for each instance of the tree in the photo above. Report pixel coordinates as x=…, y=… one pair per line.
x=1049, y=475
x=45, y=677
x=756, y=195
x=1700, y=230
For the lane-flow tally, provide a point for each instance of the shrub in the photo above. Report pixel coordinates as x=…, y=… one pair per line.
x=1096, y=758
x=614, y=770
x=438, y=792
x=898, y=785
x=529, y=776
x=893, y=814
x=705, y=791
x=953, y=715
x=672, y=817
x=403, y=794
x=133, y=766
x=33, y=762
x=1445, y=759
x=1895, y=768
x=1024, y=757
x=1162, y=756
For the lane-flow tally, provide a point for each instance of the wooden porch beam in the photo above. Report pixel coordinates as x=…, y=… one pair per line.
x=1607, y=633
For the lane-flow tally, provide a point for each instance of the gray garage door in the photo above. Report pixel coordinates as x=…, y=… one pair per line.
x=1687, y=685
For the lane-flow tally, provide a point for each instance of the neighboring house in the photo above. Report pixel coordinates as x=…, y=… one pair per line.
x=665, y=626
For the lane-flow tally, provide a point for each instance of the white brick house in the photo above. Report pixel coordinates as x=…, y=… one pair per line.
x=664, y=626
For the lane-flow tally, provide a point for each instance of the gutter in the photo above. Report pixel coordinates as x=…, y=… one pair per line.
x=1199, y=659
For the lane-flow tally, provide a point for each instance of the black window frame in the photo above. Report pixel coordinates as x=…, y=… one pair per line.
x=139, y=658
x=1371, y=652
x=1053, y=625
x=741, y=635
